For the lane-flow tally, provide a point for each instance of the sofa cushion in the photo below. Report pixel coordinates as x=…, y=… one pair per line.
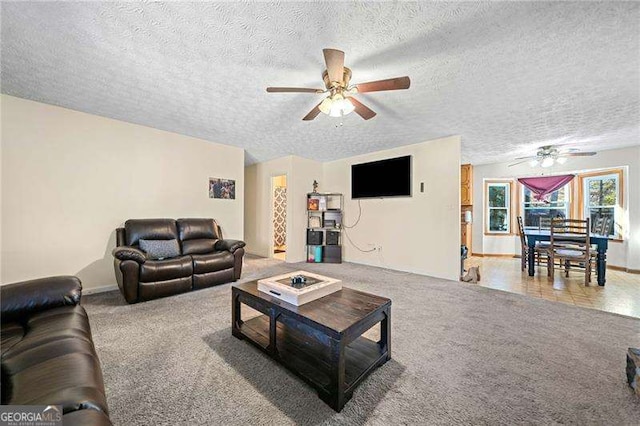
x=199, y=246
x=160, y=249
x=73, y=380
x=50, y=360
x=51, y=325
x=25, y=298
x=168, y=269
x=12, y=333
x=149, y=229
x=212, y=262
x=194, y=229
x=18, y=361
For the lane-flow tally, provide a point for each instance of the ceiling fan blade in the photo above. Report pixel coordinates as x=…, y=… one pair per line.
x=519, y=162
x=362, y=110
x=293, y=90
x=397, y=83
x=577, y=154
x=335, y=64
x=313, y=113
x=526, y=158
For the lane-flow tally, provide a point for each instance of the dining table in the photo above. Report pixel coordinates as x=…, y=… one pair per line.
x=600, y=241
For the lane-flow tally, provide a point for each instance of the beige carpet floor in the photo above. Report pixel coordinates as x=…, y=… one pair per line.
x=461, y=355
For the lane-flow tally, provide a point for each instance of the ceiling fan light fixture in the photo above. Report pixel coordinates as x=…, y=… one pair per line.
x=325, y=105
x=336, y=106
x=341, y=107
x=533, y=162
x=561, y=160
x=547, y=162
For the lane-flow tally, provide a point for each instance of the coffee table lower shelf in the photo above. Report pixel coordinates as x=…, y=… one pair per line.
x=312, y=361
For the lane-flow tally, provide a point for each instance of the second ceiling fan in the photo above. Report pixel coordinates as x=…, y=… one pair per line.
x=340, y=100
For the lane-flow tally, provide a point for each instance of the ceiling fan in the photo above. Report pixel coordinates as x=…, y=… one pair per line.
x=340, y=100
x=548, y=155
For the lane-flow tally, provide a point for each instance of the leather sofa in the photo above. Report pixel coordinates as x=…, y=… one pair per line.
x=48, y=356
x=205, y=259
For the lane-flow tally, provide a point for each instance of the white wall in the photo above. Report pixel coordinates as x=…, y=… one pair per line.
x=258, y=208
x=624, y=254
x=301, y=173
x=70, y=178
x=418, y=234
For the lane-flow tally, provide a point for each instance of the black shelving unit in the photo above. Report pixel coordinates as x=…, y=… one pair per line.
x=324, y=227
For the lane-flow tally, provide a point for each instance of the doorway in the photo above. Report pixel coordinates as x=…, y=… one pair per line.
x=279, y=202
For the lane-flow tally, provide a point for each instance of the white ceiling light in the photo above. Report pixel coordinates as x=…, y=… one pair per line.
x=561, y=160
x=336, y=106
x=547, y=162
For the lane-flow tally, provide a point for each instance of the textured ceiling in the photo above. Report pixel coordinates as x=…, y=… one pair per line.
x=506, y=76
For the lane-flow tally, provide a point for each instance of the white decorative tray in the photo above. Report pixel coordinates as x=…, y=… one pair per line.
x=316, y=287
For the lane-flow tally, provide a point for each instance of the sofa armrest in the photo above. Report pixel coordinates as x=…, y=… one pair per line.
x=26, y=297
x=229, y=245
x=129, y=253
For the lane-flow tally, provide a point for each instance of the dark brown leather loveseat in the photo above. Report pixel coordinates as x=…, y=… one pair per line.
x=48, y=357
x=205, y=259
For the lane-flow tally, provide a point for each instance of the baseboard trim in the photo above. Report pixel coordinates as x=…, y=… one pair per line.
x=495, y=255
x=623, y=269
x=102, y=289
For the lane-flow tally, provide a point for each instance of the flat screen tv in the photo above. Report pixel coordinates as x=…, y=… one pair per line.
x=384, y=178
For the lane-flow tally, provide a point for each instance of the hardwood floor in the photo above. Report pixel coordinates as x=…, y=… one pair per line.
x=620, y=295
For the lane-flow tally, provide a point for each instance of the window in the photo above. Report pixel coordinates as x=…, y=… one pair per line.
x=556, y=205
x=498, y=203
x=602, y=198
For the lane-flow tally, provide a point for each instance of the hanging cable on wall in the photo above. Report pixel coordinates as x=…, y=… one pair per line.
x=357, y=220
x=345, y=227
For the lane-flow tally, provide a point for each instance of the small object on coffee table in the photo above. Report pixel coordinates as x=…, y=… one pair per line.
x=633, y=369
x=322, y=341
x=298, y=281
x=299, y=287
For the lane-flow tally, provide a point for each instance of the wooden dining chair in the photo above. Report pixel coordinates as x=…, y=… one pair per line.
x=544, y=223
x=524, y=247
x=570, y=243
x=602, y=228
x=539, y=251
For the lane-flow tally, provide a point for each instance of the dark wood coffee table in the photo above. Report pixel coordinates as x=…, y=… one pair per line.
x=320, y=341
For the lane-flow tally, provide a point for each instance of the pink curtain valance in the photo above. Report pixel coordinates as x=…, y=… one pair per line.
x=544, y=185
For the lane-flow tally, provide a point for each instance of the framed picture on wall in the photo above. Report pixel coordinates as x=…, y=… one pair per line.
x=313, y=204
x=222, y=188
